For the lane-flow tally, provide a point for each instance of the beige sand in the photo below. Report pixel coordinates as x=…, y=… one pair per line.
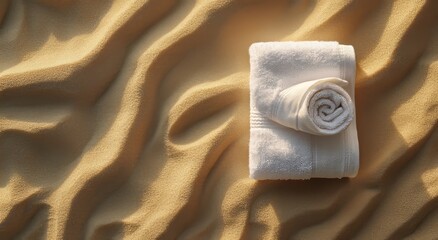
x=130, y=120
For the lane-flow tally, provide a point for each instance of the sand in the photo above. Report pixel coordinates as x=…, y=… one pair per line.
x=129, y=120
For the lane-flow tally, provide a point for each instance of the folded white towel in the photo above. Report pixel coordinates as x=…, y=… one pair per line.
x=302, y=111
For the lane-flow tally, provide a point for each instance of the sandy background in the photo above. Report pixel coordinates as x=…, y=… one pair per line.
x=129, y=119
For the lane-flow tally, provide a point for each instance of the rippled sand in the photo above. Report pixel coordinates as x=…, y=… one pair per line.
x=130, y=120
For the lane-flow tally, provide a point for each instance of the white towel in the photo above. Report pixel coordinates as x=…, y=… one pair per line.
x=320, y=107
x=302, y=111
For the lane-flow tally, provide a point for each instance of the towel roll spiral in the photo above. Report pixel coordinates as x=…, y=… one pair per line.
x=319, y=107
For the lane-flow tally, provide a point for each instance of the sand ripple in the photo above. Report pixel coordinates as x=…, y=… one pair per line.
x=129, y=120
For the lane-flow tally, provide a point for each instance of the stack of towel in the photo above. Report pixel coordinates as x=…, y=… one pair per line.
x=302, y=111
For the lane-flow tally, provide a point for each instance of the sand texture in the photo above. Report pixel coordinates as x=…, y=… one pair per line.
x=130, y=120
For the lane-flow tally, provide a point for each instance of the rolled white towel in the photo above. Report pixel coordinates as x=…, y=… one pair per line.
x=319, y=107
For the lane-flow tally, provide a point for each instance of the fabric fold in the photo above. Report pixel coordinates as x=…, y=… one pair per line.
x=302, y=116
